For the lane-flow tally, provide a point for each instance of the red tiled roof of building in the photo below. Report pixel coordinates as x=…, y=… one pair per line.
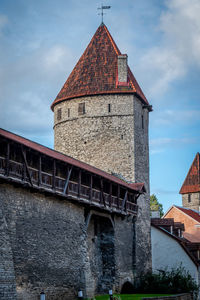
x=192, y=180
x=139, y=187
x=190, y=212
x=96, y=71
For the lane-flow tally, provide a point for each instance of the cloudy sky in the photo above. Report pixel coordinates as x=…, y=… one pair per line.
x=41, y=41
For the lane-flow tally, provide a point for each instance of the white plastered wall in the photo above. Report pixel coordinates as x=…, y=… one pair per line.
x=167, y=253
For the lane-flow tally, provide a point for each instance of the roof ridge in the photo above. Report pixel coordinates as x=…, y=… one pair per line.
x=117, y=51
x=184, y=210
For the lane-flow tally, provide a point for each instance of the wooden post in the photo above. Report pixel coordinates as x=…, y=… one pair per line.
x=79, y=183
x=124, y=201
x=102, y=200
x=7, y=159
x=118, y=195
x=54, y=175
x=91, y=183
x=26, y=169
x=40, y=171
x=24, y=166
x=110, y=194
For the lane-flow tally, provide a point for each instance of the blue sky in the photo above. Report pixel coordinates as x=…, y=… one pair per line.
x=41, y=41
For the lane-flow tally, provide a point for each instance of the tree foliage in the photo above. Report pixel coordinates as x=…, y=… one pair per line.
x=155, y=205
x=175, y=281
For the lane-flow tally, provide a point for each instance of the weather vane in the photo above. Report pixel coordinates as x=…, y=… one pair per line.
x=102, y=10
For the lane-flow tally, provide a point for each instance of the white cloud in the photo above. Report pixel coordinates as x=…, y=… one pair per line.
x=29, y=86
x=179, y=49
x=57, y=57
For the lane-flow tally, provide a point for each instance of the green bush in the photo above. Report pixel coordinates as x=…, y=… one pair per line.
x=171, y=282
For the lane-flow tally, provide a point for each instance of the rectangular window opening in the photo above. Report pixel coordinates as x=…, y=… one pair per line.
x=81, y=108
x=59, y=114
x=109, y=107
x=189, y=198
x=68, y=112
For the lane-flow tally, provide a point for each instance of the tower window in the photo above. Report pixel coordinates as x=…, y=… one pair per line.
x=81, y=108
x=109, y=107
x=68, y=112
x=189, y=198
x=142, y=122
x=59, y=114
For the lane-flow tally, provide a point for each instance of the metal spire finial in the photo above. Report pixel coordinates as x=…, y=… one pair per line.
x=102, y=12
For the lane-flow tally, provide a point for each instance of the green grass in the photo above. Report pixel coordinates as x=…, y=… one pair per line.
x=130, y=297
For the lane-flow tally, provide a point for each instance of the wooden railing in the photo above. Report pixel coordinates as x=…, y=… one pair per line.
x=41, y=179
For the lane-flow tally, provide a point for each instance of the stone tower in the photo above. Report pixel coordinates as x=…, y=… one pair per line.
x=101, y=118
x=190, y=189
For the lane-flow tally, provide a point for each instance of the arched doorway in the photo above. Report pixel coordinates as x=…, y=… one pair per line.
x=127, y=288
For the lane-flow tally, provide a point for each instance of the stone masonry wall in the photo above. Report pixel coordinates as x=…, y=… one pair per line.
x=47, y=246
x=115, y=141
x=141, y=174
x=194, y=203
x=100, y=138
x=47, y=241
x=7, y=272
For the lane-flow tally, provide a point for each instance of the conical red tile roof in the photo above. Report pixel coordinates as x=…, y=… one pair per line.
x=96, y=71
x=192, y=180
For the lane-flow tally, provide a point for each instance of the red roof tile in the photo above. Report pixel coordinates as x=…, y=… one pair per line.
x=96, y=71
x=192, y=180
x=139, y=187
x=190, y=212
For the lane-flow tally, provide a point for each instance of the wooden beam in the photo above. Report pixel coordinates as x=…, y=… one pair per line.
x=136, y=197
x=67, y=180
x=124, y=201
x=7, y=159
x=26, y=166
x=102, y=194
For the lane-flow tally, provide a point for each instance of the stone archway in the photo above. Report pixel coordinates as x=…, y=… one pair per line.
x=100, y=254
x=127, y=288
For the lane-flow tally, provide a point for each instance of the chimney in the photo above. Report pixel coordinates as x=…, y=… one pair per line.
x=122, y=69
